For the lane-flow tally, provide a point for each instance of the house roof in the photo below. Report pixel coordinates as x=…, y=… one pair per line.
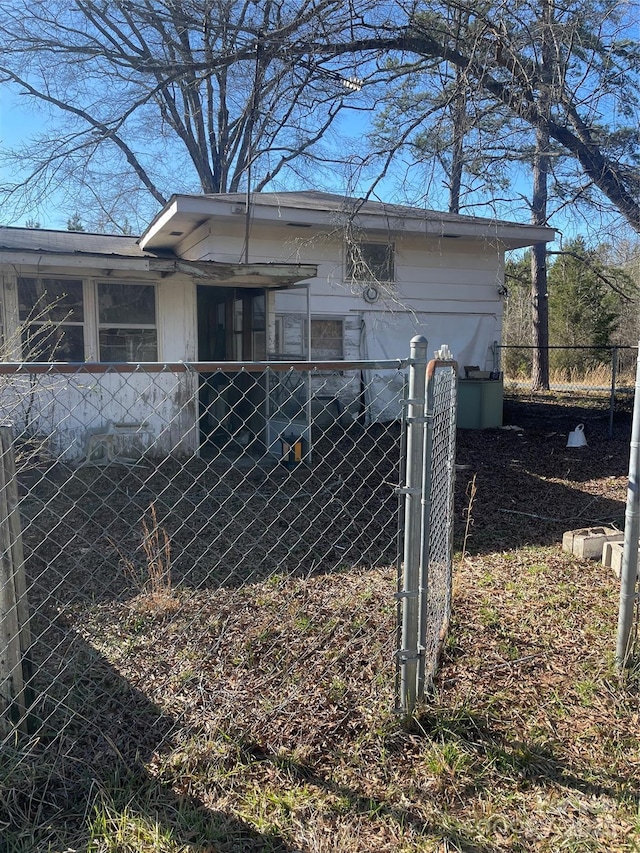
x=71, y=242
x=184, y=213
x=317, y=200
x=49, y=251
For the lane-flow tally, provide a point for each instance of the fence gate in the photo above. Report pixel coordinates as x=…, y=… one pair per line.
x=426, y=522
x=196, y=557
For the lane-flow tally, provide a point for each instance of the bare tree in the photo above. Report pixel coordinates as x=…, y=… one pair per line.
x=592, y=117
x=166, y=96
x=560, y=77
x=185, y=95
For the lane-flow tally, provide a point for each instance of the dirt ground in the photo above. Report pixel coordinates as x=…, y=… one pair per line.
x=242, y=707
x=530, y=487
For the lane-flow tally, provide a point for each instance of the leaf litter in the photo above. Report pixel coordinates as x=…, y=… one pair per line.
x=260, y=717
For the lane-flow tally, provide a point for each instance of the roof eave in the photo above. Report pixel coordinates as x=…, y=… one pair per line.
x=43, y=260
x=184, y=213
x=190, y=210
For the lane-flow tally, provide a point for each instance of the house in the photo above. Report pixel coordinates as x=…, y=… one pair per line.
x=77, y=297
x=385, y=273
x=297, y=275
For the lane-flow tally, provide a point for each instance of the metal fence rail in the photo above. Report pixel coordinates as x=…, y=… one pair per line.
x=596, y=372
x=207, y=547
x=598, y=378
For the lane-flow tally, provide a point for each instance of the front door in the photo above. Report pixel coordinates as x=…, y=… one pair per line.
x=232, y=327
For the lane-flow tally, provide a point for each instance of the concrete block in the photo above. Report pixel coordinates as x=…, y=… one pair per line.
x=588, y=542
x=612, y=557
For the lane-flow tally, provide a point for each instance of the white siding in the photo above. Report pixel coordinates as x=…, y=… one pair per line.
x=59, y=409
x=177, y=323
x=435, y=277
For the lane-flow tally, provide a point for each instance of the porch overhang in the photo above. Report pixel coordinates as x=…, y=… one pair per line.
x=268, y=276
x=263, y=275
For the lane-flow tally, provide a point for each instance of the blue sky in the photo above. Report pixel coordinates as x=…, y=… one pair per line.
x=19, y=120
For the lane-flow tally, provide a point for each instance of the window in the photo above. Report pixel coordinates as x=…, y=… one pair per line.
x=127, y=322
x=51, y=314
x=370, y=262
x=57, y=320
x=327, y=339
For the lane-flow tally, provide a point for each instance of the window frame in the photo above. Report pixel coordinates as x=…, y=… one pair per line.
x=100, y=326
x=350, y=267
x=25, y=323
x=288, y=355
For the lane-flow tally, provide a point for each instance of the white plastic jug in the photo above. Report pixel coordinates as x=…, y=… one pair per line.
x=576, y=437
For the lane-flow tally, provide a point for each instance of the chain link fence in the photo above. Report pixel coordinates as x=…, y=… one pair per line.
x=437, y=509
x=595, y=378
x=592, y=372
x=208, y=558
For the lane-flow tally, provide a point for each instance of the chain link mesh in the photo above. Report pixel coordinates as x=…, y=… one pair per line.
x=436, y=583
x=592, y=377
x=209, y=553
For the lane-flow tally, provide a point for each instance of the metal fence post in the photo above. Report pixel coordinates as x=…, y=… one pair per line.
x=629, y=571
x=612, y=400
x=409, y=653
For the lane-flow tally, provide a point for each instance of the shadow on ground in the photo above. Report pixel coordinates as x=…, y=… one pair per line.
x=81, y=782
x=531, y=488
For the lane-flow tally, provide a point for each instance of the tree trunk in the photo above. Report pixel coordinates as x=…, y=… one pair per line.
x=540, y=319
x=541, y=163
x=459, y=122
x=539, y=295
x=459, y=112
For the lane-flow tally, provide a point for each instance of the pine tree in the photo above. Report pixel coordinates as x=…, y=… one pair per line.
x=74, y=223
x=516, y=324
x=583, y=310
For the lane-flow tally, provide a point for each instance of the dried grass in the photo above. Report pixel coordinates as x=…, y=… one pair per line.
x=257, y=717
x=153, y=578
